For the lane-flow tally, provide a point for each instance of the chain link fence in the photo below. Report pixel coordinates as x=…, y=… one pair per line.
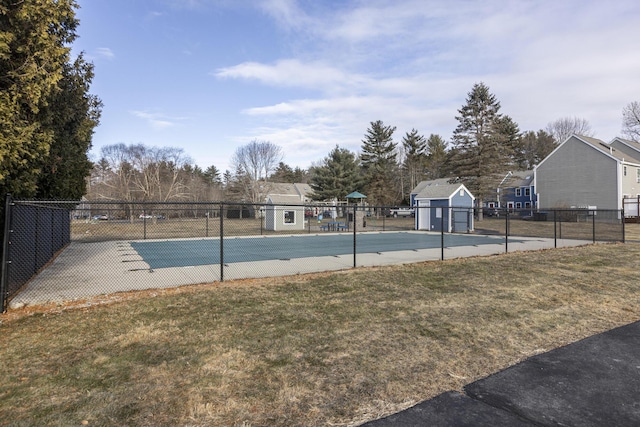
x=56, y=251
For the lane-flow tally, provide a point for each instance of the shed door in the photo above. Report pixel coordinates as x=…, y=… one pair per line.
x=460, y=221
x=422, y=217
x=439, y=215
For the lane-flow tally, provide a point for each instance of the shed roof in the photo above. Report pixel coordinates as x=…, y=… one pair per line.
x=284, y=199
x=437, y=189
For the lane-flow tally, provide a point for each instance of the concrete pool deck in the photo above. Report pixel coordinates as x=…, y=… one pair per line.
x=85, y=270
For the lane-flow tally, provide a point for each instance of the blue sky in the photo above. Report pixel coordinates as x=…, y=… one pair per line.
x=212, y=75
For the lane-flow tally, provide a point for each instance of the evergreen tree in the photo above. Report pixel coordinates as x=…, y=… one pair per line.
x=283, y=173
x=415, y=160
x=378, y=160
x=44, y=105
x=338, y=176
x=482, y=151
x=510, y=140
x=212, y=175
x=536, y=146
x=72, y=114
x=436, y=157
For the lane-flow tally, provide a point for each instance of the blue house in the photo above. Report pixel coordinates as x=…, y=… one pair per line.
x=519, y=192
x=515, y=191
x=440, y=203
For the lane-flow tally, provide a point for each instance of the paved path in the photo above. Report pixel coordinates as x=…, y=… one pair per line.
x=593, y=382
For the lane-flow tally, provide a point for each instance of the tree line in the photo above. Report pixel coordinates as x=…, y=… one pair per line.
x=485, y=145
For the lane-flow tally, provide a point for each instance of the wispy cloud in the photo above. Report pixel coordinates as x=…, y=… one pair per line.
x=105, y=52
x=294, y=73
x=157, y=121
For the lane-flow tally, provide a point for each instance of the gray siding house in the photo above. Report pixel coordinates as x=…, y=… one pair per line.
x=439, y=203
x=585, y=172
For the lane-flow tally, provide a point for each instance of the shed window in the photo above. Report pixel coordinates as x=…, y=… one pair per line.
x=289, y=217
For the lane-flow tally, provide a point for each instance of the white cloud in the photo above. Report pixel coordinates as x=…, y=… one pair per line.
x=412, y=64
x=286, y=13
x=157, y=121
x=105, y=52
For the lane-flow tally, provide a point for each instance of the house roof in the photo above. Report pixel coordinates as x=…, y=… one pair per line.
x=519, y=179
x=608, y=149
x=631, y=144
x=300, y=190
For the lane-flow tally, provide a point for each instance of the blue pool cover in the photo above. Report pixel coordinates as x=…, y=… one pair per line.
x=183, y=253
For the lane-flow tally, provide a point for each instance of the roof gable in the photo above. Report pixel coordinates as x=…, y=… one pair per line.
x=594, y=143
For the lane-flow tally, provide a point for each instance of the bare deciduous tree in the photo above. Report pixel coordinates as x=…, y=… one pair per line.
x=563, y=128
x=254, y=163
x=631, y=121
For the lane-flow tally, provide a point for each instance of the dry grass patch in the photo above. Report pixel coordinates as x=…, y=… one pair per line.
x=324, y=349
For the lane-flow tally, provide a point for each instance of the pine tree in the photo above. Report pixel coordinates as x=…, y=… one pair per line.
x=536, y=146
x=338, y=176
x=436, y=157
x=482, y=150
x=378, y=160
x=415, y=151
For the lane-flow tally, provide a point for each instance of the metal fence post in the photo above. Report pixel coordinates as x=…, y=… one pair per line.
x=441, y=233
x=506, y=230
x=222, y=242
x=355, y=208
x=5, y=251
x=593, y=223
x=623, y=229
x=555, y=229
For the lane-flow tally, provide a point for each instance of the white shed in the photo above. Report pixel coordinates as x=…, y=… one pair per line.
x=284, y=212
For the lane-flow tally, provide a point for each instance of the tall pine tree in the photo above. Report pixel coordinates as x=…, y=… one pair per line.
x=482, y=149
x=415, y=158
x=436, y=157
x=379, y=163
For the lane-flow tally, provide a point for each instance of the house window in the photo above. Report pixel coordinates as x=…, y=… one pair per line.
x=527, y=205
x=638, y=175
x=461, y=193
x=527, y=192
x=289, y=217
x=624, y=170
x=518, y=205
x=518, y=192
